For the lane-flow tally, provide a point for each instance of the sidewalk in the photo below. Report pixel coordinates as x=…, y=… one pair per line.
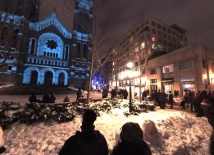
x=22, y=99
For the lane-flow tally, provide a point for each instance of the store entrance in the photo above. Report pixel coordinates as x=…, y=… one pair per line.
x=168, y=88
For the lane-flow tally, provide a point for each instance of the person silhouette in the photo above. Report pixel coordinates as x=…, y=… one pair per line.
x=2, y=148
x=32, y=98
x=207, y=105
x=79, y=94
x=87, y=142
x=132, y=142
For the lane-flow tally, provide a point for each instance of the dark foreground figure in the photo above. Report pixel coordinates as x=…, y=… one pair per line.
x=208, y=109
x=87, y=142
x=2, y=148
x=132, y=142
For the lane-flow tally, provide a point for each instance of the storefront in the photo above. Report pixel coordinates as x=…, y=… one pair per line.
x=188, y=86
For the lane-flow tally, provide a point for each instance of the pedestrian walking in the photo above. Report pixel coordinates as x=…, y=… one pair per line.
x=162, y=99
x=171, y=100
x=79, y=94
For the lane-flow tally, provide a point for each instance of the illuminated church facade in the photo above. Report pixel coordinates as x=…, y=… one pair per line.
x=46, y=53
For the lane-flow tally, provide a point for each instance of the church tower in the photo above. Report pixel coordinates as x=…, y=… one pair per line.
x=81, y=43
x=27, y=8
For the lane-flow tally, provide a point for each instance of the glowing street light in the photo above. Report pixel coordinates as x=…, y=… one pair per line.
x=130, y=65
x=128, y=74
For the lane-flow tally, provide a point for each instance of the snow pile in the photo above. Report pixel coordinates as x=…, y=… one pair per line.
x=167, y=131
x=6, y=85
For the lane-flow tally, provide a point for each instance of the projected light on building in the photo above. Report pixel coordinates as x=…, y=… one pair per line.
x=51, y=55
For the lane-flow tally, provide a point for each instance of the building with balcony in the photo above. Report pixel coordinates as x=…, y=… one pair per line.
x=153, y=36
x=188, y=69
x=44, y=52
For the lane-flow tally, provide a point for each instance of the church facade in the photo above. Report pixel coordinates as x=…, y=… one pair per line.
x=44, y=52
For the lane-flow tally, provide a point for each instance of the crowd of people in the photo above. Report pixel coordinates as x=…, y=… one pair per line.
x=47, y=98
x=90, y=141
x=2, y=148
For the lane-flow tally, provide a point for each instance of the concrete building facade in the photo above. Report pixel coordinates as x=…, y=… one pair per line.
x=188, y=69
x=152, y=36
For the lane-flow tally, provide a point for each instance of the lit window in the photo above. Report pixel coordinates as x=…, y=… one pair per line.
x=142, y=45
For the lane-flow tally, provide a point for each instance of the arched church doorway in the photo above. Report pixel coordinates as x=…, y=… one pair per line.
x=34, y=77
x=48, y=78
x=61, y=79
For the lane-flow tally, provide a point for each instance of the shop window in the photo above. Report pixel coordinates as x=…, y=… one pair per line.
x=153, y=81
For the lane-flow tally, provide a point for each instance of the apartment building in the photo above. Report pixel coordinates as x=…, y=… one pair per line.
x=188, y=69
x=151, y=35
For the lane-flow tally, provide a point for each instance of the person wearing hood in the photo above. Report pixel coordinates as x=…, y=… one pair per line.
x=2, y=148
x=132, y=142
x=207, y=105
x=87, y=142
x=197, y=103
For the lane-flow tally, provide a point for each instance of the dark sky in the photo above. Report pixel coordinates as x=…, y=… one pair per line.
x=116, y=17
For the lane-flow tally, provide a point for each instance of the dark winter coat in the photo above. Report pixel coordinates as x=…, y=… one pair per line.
x=46, y=98
x=52, y=98
x=209, y=113
x=208, y=110
x=124, y=148
x=198, y=98
x=79, y=93
x=162, y=97
x=85, y=143
x=170, y=98
x=144, y=94
x=32, y=98
x=125, y=94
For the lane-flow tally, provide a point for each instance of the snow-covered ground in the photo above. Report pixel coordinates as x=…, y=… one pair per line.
x=167, y=131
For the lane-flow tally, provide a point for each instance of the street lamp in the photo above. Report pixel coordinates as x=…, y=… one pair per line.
x=128, y=75
x=130, y=65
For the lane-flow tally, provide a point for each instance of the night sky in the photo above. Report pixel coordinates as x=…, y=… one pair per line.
x=116, y=17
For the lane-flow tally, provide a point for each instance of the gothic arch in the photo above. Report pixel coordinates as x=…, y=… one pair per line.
x=65, y=76
x=27, y=74
x=42, y=75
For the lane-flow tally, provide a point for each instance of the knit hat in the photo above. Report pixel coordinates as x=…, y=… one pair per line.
x=89, y=117
x=131, y=132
